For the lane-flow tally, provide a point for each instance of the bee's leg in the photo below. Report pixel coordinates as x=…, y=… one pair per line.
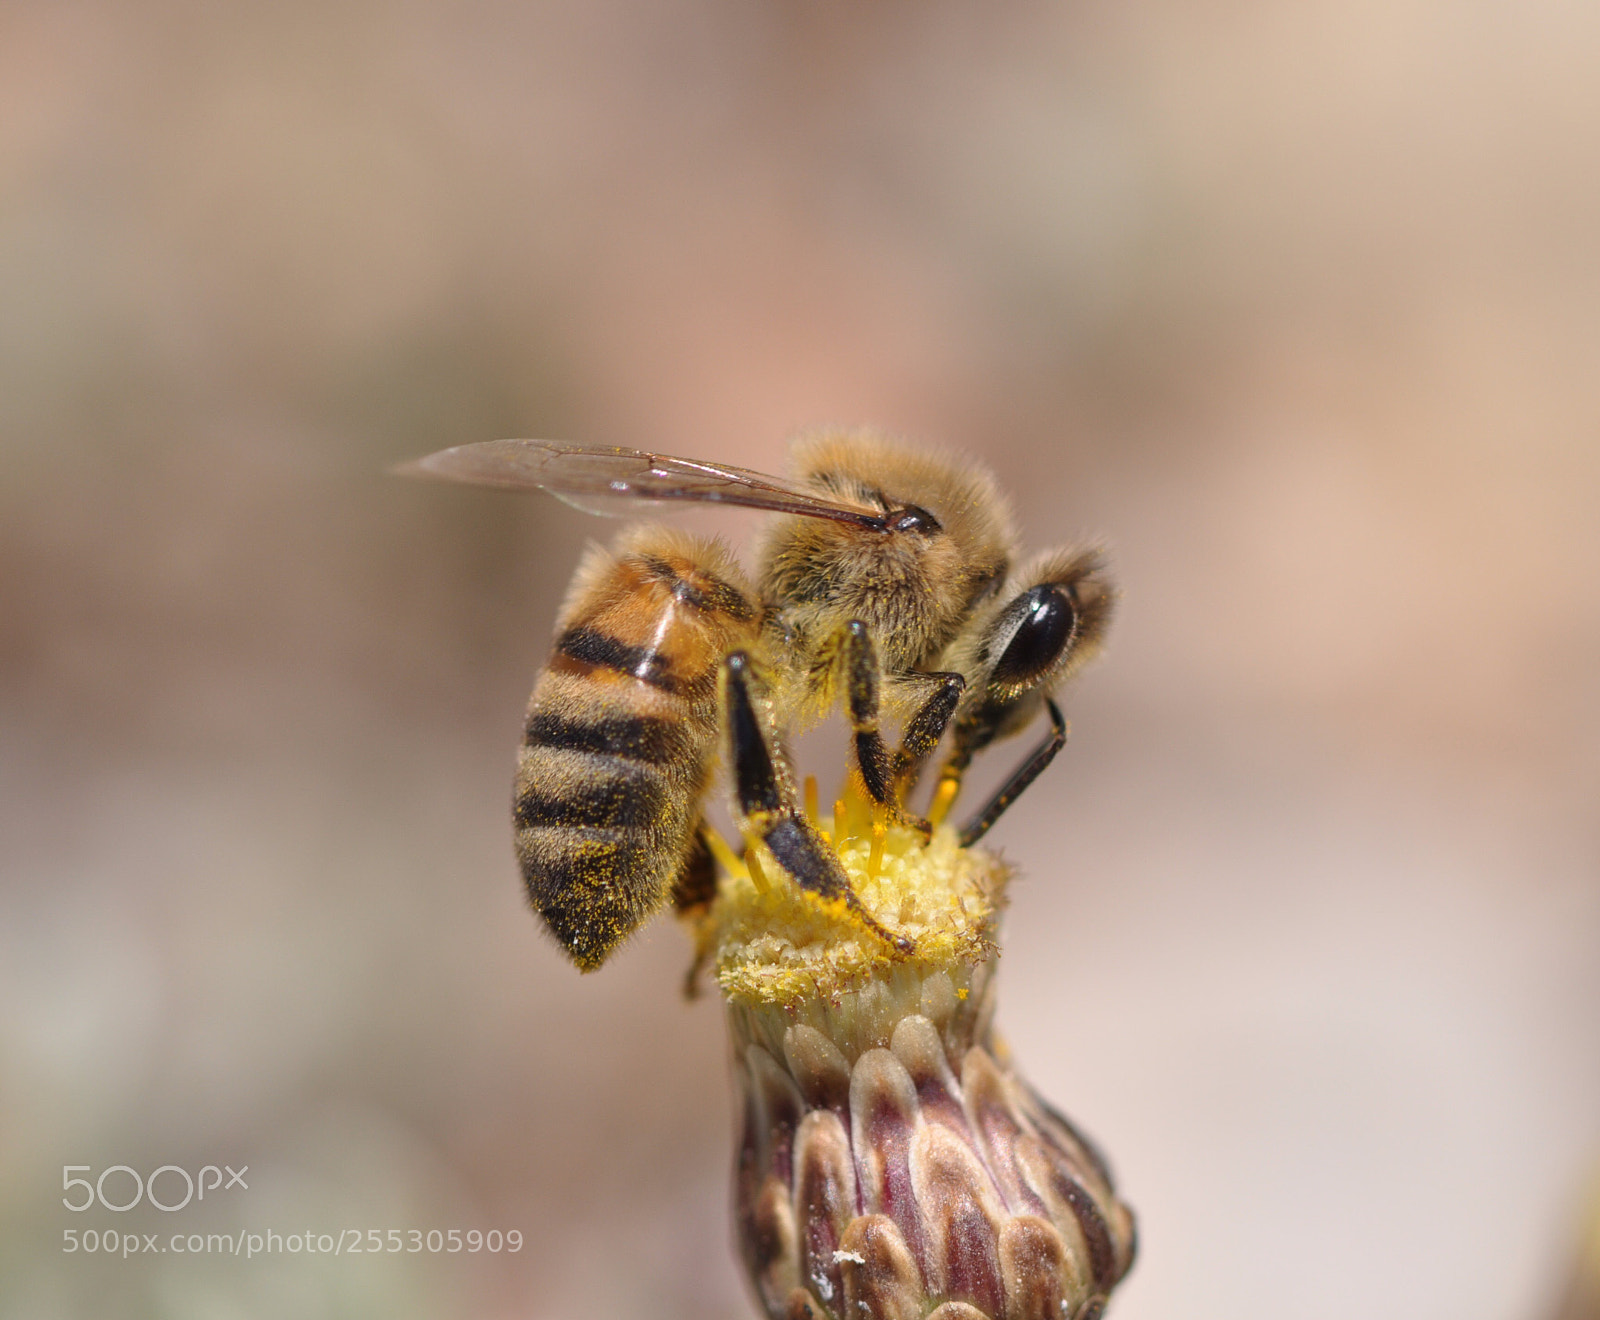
x=926, y=727
x=1020, y=778
x=976, y=730
x=861, y=680
x=696, y=882
x=769, y=807
x=885, y=776
x=692, y=893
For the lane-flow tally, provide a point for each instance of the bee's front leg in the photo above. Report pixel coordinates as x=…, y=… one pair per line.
x=1025, y=773
x=768, y=806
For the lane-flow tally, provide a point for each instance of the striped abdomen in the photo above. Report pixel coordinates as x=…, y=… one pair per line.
x=621, y=734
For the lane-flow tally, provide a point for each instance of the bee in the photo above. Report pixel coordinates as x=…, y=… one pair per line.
x=886, y=586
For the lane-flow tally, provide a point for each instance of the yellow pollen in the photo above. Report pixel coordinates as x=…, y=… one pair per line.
x=811, y=798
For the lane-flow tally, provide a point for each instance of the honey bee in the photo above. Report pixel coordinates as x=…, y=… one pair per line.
x=886, y=585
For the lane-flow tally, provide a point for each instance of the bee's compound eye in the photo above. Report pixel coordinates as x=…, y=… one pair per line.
x=1043, y=631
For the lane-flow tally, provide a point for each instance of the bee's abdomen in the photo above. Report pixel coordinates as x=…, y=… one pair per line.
x=605, y=813
x=583, y=650
x=619, y=744
x=620, y=804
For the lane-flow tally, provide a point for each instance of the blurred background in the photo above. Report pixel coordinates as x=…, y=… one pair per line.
x=1296, y=305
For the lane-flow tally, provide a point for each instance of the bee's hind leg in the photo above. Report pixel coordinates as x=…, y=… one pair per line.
x=693, y=891
x=696, y=882
x=886, y=776
x=769, y=807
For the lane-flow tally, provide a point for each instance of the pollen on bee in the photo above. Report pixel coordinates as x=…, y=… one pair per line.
x=836, y=908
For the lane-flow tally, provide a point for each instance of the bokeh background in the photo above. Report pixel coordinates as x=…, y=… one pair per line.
x=1296, y=305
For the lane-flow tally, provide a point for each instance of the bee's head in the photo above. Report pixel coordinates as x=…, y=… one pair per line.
x=1055, y=621
x=1050, y=617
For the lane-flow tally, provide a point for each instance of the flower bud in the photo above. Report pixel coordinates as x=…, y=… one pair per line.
x=892, y=1164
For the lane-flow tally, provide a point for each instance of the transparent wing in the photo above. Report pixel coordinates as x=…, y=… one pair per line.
x=583, y=475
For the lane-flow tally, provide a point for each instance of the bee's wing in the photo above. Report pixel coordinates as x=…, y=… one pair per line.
x=586, y=476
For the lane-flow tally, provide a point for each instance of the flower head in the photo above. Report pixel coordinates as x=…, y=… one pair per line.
x=892, y=1163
